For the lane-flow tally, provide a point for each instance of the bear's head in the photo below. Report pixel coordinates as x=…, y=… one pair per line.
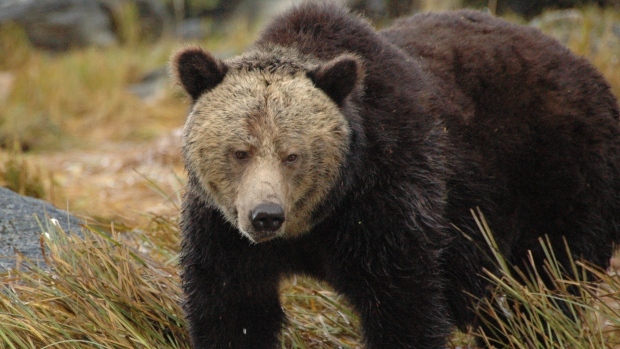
x=266, y=137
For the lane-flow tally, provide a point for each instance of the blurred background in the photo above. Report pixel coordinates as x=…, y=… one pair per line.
x=89, y=118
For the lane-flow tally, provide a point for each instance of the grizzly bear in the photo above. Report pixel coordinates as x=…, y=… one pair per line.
x=355, y=156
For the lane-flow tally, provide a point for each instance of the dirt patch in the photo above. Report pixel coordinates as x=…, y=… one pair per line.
x=123, y=182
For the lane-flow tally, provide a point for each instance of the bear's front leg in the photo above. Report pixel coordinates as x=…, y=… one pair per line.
x=230, y=309
x=230, y=285
x=397, y=291
x=401, y=313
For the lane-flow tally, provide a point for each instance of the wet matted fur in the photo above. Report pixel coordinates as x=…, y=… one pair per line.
x=369, y=150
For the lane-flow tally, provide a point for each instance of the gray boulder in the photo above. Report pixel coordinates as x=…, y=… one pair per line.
x=63, y=24
x=22, y=221
x=154, y=19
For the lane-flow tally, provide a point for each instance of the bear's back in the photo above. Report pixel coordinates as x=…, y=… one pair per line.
x=495, y=65
x=541, y=122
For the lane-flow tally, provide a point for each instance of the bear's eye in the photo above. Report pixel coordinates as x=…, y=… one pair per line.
x=291, y=158
x=242, y=155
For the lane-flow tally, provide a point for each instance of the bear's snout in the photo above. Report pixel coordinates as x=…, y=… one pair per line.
x=267, y=217
x=261, y=201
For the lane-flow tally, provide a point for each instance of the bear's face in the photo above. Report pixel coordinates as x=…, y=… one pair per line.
x=266, y=146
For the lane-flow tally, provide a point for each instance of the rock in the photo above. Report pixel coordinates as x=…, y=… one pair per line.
x=154, y=19
x=570, y=26
x=151, y=86
x=63, y=24
x=561, y=24
x=20, y=231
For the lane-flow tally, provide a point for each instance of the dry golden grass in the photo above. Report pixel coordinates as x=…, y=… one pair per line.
x=23, y=177
x=99, y=293
x=81, y=98
x=122, y=291
x=573, y=314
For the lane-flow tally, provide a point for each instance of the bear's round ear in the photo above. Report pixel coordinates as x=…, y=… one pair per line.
x=338, y=77
x=197, y=70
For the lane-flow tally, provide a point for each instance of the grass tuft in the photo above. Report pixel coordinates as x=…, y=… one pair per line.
x=318, y=317
x=575, y=313
x=122, y=291
x=53, y=101
x=21, y=176
x=15, y=47
x=98, y=293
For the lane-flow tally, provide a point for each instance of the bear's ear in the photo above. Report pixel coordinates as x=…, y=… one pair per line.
x=338, y=77
x=197, y=71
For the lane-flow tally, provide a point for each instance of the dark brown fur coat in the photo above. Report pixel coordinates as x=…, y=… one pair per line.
x=447, y=112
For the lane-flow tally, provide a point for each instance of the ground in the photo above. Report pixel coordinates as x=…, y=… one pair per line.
x=121, y=181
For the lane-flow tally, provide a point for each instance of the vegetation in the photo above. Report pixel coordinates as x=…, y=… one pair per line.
x=19, y=175
x=573, y=313
x=121, y=290
x=99, y=293
x=55, y=101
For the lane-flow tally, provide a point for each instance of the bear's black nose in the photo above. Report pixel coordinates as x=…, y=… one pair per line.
x=267, y=217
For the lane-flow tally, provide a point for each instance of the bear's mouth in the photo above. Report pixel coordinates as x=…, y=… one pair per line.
x=260, y=236
x=263, y=236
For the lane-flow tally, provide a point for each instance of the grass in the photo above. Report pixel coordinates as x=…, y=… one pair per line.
x=55, y=101
x=121, y=290
x=100, y=293
x=111, y=290
x=574, y=313
x=318, y=317
x=24, y=177
x=82, y=98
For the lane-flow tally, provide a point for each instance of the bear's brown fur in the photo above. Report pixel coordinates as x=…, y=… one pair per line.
x=355, y=156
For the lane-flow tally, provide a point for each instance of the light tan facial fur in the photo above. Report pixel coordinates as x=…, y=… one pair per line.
x=269, y=116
